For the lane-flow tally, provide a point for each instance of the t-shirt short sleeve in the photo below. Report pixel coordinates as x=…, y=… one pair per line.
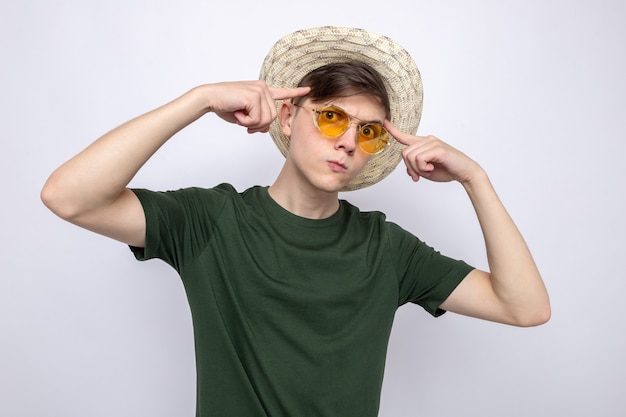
x=173, y=217
x=426, y=276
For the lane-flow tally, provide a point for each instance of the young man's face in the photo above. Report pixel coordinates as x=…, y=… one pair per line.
x=317, y=161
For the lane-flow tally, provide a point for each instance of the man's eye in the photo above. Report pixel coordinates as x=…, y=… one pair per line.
x=330, y=115
x=369, y=131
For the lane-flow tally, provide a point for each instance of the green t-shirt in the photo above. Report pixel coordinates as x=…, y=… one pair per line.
x=291, y=316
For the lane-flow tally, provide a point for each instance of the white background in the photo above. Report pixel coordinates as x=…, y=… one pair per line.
x=533, y=90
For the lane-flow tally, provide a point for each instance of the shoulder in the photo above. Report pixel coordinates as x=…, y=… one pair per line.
x=376, y=225
x=373, y=217
x=354, y=213
x=188, y=194
x=190, y=205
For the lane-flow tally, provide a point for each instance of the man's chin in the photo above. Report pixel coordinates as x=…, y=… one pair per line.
x=333, y=187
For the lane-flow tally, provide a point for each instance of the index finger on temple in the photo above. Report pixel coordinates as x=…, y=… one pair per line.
x=397, y=134
x=279, y=93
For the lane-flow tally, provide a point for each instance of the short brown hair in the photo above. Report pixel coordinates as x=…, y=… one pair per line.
x=344, y=79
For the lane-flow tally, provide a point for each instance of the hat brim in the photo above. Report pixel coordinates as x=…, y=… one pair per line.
x=299, y=53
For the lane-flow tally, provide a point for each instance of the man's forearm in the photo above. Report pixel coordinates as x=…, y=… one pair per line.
x=515, y=278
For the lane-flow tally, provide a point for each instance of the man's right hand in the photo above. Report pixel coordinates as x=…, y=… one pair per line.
x=251, y=104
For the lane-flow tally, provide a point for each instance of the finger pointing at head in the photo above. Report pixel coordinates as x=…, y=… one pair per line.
x=279, y=93
x=403, y=138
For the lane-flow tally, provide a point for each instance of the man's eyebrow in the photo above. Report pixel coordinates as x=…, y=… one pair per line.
x=379, y=122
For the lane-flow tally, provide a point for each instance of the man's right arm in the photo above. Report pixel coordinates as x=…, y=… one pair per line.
x=90, y=190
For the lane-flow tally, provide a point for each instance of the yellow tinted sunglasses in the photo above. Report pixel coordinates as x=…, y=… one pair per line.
x=332, y=121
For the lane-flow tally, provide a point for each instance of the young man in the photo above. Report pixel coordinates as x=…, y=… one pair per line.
x=293, y=291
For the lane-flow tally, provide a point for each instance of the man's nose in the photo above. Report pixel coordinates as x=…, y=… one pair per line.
x=348, y=140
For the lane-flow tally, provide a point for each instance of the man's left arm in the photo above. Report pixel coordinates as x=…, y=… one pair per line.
x=513, y=291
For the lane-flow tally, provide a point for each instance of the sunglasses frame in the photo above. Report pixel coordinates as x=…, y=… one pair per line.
x=383, y=137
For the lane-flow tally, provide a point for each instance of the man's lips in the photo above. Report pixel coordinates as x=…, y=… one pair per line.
x=337, y=166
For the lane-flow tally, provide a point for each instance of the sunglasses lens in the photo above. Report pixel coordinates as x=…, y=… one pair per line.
x=373, y=138
x=332, y=121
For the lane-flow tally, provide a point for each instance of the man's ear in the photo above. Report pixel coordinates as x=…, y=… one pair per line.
x=286, y=115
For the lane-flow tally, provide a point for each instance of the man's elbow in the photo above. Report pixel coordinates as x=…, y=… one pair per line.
x=49, y=197
x=52, y=197
x=535, y=316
